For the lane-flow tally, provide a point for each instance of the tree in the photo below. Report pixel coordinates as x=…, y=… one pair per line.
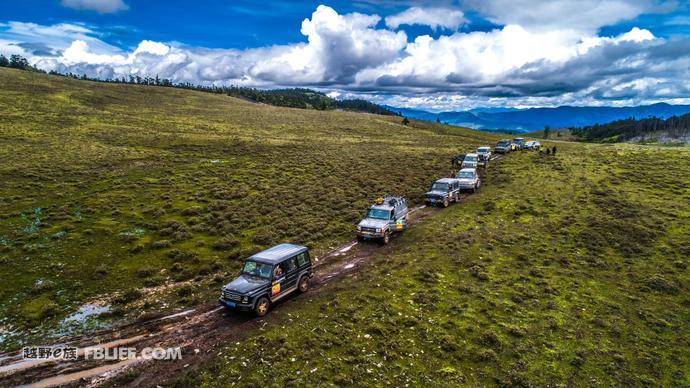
x=547, y=132
x=4, y=62
x=19, y=62
x=405, y=121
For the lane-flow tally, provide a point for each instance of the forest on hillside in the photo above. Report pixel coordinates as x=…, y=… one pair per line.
x=676, y=127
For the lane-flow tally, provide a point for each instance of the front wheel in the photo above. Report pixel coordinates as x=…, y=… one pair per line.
x=303, y=284
x=446, y=202
x=386, y=238
x=261, y=307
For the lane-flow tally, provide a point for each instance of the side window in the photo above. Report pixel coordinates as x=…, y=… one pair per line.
x=289, y=264
x=303, y=259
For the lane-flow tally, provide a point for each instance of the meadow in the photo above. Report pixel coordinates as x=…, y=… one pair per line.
x=562, y=271
x=110, y=189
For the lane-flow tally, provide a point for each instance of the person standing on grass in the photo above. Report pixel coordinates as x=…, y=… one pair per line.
x=553, y=151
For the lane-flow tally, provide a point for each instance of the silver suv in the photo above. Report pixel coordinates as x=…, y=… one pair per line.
x=470, y=161
x=469, y=179
x=389, y=215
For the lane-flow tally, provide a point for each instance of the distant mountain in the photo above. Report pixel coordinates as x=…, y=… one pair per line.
x=533, y=119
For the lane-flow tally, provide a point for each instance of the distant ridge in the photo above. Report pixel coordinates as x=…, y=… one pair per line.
x=533, y=119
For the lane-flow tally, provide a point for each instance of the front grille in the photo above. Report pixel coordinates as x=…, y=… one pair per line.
x=229, y=295
x=369, y=230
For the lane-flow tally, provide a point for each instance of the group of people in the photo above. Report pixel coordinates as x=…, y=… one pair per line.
x=550, y=151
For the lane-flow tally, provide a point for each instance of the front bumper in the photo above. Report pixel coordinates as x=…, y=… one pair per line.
x=435, y=200
x=236, y=305
x=369, y=235
x=466, y=186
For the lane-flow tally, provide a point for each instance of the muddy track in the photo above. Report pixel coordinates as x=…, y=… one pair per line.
x=199, y=331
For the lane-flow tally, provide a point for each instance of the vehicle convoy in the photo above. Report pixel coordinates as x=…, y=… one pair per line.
x=267, y=277
x=503, y=147
x=470, y=161
x=468, y=179
x=387, y=216
x=484, y=154
x=533, y=145
x=443, y=192
x=519, y=143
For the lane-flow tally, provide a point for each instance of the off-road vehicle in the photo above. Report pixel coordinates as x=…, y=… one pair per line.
x=471, y=161
x=484, y=155
x=533, y=145
x=443, y=192
x=469, y=179
x=503, y=147
x=387, y=216
x=267, y=277
x=519, y=143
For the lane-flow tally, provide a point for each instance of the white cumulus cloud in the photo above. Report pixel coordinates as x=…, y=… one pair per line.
x=522, y=62
x=433, y=17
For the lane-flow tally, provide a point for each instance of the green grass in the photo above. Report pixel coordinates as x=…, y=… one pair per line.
x=562, y=271
x=109, y=188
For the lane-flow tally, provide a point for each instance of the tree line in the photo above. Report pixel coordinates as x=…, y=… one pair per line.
x=292, y=97
x=627, y=129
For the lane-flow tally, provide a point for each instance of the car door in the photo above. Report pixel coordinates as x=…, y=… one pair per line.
x=292, y=273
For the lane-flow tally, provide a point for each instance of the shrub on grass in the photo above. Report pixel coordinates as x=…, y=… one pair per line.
x=145, y=272
x=160, y=244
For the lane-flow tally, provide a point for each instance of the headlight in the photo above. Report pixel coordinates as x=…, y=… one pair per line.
x=245, y=299
x=378, y=230
x=222, y=292
x=359, y=228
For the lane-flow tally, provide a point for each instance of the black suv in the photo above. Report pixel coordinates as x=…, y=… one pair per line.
x=267, y=277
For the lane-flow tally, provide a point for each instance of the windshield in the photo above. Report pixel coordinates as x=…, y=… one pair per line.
x=379, y=214
x=482, y=150
x=261, y=270
x=502, y=144
x=465, y=174
x=470, y=158
x=439, y=186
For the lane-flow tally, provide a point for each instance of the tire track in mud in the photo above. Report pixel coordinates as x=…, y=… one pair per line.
x=198, y=331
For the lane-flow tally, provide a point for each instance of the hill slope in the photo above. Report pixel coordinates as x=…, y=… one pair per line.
x=107, y=188
x=521, y=285
x=566, y=270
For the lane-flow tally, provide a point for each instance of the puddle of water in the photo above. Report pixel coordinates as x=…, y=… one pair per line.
x=85, y=312
x=349, y=266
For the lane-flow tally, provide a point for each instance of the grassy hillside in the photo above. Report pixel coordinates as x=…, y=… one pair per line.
x=562, y=271
x=108, y=188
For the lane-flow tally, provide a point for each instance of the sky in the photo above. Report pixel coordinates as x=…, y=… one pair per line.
x=432, y=55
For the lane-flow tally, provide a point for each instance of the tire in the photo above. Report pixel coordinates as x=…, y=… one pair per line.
x=446, y=202
x=303, y=285
x=262, y=306
x=386, y=238
x=360, y=238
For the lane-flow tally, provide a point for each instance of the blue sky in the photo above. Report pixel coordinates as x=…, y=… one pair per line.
x=430, y=54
